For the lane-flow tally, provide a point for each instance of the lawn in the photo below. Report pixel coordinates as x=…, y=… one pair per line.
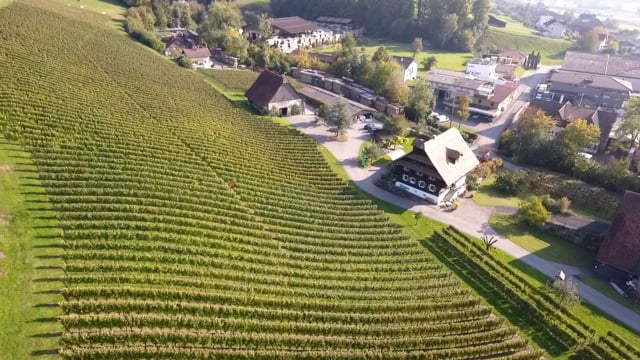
x=446, y=60
x=488, y=195
x=606, y=288
x=514, y=27
x=552, y=50
x=31, y=271
x=112, y=8
x=541, y=243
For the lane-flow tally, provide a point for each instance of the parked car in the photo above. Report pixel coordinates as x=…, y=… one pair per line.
x=440, y=117
x=372, y=127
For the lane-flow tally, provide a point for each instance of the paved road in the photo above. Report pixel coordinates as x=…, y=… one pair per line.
x=470, y=217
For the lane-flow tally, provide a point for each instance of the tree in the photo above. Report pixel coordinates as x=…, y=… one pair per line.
x=430, y=62
x=577, y=136
x=417, y=215
x=265, y=29
x=184, y=62
x=589, y=42
x=182, y=12
x=533, y=133
x=449, y=27
x=532, y=211
x=420, y=101
x=381, y=54
x=416, y=46
x=566, y=290
x=221, y=17
x=489, y=241
x=480, y=11
x=338, y=118
x=396, y=125
x=461, y=111
x=235, y=44
x=162, y=12
x=629, y=128
x=395, y=89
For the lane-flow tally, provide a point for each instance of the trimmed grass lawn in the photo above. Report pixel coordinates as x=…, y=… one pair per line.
x=31, y=271
x=606, y=288
x=446, y=60
x=540, y=243
x=488, y=195
x=514, y=26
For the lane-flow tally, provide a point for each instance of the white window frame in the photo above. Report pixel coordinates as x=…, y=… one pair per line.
x=432, y=188
x=422, y=184
x=419, y=173
x=405, y=177
x=412, y=180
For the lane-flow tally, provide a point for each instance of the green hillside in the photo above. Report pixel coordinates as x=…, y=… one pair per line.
x=552, y=50
x=194, y=230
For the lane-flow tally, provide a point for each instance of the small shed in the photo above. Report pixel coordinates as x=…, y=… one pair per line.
x=272, y=91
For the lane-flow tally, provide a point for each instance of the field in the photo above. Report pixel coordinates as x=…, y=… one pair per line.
x=446, y=60
x=194, y=230
x=552, y=50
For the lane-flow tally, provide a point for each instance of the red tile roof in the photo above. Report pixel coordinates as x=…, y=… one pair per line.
x=198, y=53
x=621, y=248
x=501, y=92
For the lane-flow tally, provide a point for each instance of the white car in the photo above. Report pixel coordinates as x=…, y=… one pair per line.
x=440, y=117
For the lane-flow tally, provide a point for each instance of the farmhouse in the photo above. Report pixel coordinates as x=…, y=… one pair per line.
x=409, y=67
x=180, y=40
x=436, y=170
x=553, y=28
x=486, y=98
x=273, y=92
x=621, y=248
x=200, y=57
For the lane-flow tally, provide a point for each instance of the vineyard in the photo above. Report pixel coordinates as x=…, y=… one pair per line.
x=194, y=230
x=234, y=80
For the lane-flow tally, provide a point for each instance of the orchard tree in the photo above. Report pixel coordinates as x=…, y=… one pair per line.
x=430, y=62
x=577, y=136
x=221, y=17
x=416, y=46
x=629, y=129
x=566, y=290
x=338, y=117
x=461, y=110
x=421, y=100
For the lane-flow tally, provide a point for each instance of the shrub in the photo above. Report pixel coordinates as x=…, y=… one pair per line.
x=472, y=182
x=295, y=109
x=550, y=203
x=532, y=211
x=148, y=38
x=487, y=168
x=274, y=112
x=511, y=182
x=184, y=62
x=371, y=152
x=563, y=205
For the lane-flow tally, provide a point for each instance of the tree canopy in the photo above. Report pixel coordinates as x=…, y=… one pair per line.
x=338, y=118
x=220, y=18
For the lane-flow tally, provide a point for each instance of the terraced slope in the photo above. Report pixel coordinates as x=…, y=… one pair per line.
x=194, y=230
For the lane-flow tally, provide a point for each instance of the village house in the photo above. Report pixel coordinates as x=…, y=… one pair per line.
x=589, y=89
x=486, y=98
x=294, y=32
x=566, y=113
x=436, y=170
x=340, y=26
x=553, y=28
x=178, y=41
x=512, y=57
x=409, y=67
x=272, y=92
x=585, y=23
x=621, y=248
x=200, y=57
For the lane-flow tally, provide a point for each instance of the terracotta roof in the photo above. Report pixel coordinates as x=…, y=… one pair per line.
x=294, y=25
x=512, y=53
x=198, y=53
x=404, y=61
x=501, y=92
x=621, y=248
x=270, y=87
x=449, y=154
